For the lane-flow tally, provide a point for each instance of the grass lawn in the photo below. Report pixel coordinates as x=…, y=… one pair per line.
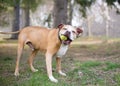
x=87, y=63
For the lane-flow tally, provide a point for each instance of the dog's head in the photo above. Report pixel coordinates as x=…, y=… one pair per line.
x=70, y=32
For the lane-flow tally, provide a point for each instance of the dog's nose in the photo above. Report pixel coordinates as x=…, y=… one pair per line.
x=67, y=33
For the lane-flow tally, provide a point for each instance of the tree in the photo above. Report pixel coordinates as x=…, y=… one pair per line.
x=70, y=10
x=84, y=4
x=60, y=12
x=16, y=4
x=105, y=12
x=16, y=19
x=16, y=13
x=28, y=5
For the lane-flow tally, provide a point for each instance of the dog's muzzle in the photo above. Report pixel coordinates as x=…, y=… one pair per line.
x=68, y=41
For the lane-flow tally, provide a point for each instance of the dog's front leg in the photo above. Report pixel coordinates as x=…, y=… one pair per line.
x=58, y=60
x=49, y=67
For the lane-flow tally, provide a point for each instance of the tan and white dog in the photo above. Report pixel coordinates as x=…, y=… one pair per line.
x=49, y=41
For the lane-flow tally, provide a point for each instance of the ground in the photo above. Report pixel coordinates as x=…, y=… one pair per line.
x=88, y=62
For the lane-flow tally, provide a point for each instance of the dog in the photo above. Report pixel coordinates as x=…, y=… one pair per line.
x=48, y=41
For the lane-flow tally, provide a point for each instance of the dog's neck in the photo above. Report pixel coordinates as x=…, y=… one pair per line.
x=62, y=50
x=59, y=35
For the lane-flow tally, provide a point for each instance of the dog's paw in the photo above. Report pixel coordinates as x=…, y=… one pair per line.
x=34, y=70
x=16, y=74
x=53, y=79
x=61, y=73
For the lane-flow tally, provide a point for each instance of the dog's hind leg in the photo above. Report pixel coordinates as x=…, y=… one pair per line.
x=19, y=53
x=30, y=60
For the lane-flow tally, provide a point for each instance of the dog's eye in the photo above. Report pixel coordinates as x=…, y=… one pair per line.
x=73, y=31
x=65, y=28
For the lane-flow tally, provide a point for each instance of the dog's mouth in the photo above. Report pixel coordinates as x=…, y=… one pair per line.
x=67, y=42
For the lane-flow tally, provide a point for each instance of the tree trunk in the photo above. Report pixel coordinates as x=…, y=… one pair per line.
x=60, y=12
x=70, y=16
x=107, y=30
x=89, y=23
x=16, y=19
x=27, y=15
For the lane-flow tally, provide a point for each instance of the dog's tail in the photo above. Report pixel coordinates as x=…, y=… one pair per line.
x=10, y=32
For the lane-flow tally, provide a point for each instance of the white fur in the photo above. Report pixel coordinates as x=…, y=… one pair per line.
x=61, y=73
x=33, y=69
x=53, y=79
x=70, y=29
x=62, y=51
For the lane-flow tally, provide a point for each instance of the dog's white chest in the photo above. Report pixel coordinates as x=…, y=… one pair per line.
x=62, y=51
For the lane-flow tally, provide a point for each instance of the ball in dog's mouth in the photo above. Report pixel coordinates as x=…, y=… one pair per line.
x=67, y=42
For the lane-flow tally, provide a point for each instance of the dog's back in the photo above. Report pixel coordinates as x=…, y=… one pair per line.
x=35, y=35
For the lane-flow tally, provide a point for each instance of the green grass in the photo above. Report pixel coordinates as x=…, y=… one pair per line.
x=89, y=64
x=117, y=79
x=88, y=68
x=111, y=66
x=89, y=77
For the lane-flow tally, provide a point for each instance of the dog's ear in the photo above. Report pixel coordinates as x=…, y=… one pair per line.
x=79, y=30
x=60, y=26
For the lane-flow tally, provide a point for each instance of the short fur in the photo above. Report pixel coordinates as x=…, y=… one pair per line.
x=44, y=40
